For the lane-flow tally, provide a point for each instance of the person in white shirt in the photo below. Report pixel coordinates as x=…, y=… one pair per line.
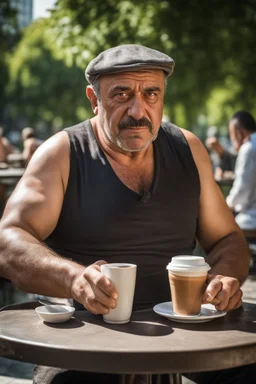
x=242, y=196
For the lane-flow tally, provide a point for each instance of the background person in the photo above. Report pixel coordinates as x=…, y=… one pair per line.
x=6, y=148
x=148, y=182
x=30, y=143
x=242, y=196
x=227, y=158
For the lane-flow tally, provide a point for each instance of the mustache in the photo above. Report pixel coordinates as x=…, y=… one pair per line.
x=130, y=122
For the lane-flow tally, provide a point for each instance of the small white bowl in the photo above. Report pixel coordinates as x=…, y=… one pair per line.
x=55, y=313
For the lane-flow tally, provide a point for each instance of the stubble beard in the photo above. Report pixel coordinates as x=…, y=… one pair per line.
x=118, y=142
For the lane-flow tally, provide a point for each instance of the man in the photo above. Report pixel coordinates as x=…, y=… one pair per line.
x=227, y=158
x=30, y=143
x=242, y=196
x=125, y=187
x=6, y=148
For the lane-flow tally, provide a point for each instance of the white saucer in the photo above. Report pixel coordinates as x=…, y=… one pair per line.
x=55, y=313
x=208, y=313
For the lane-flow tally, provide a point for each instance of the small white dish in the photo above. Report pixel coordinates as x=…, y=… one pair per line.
x=208, y=313
x=55, y=313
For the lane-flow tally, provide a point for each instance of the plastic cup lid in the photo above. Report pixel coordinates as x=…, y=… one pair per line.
x=188, y=264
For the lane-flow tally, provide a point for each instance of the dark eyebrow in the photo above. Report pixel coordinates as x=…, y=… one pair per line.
x=119, y=88
x=122, y=88
x=152, y=89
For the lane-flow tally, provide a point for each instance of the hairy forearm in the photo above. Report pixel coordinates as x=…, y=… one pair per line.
x=34, y=268
x=230, y=257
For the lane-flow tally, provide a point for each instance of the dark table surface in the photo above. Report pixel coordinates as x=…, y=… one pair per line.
x=148, y=344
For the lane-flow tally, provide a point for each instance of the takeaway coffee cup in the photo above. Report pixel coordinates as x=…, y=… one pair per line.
x=187, y=278
x=123, y=276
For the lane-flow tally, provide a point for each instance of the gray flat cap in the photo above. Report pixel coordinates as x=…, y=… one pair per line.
x=126, y=58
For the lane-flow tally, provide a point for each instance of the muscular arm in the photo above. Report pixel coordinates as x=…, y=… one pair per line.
x=30, y=216
x=218, y=234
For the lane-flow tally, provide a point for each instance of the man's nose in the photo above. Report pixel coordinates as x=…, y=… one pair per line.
x=136, y=108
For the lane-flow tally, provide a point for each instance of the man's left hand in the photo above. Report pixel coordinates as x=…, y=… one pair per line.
x=224, y=292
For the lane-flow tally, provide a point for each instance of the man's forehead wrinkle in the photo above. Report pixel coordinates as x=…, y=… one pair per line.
x=143, y=81
x=126, y=88
x=121, y=87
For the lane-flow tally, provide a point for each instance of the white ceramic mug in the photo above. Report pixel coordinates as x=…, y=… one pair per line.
x=123, y=277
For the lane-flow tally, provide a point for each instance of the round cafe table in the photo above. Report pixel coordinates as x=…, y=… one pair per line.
x=148, y=344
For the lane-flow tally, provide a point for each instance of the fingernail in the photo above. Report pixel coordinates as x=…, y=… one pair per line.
x=114, y=296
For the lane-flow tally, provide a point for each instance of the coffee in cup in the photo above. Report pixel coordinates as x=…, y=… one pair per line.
x=187, y=278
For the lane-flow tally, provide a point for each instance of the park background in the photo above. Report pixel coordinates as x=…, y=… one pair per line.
x=42, y=65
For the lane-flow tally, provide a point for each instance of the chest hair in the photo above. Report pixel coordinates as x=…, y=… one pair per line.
x=138, y=178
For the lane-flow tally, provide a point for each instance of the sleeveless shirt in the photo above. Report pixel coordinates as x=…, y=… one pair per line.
x=102, y=219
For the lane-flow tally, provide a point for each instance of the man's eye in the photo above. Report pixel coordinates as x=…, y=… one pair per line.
x=122, y=96
x=151, y=96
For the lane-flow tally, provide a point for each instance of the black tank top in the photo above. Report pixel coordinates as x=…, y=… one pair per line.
x=102, y=219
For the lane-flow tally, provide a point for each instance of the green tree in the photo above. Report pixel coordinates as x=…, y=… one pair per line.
x=44, y=91
x=212, y=43
x=9, y=35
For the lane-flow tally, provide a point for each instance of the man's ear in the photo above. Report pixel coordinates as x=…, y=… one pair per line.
x=93, y=99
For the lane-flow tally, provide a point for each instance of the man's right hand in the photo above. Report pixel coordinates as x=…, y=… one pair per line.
x=93, y=290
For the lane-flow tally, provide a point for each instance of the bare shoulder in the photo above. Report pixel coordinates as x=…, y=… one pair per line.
x=193, y=141
x=54, y=146
x=198, y=150
x=215, y=220
x=41, y=190
x=52, y=153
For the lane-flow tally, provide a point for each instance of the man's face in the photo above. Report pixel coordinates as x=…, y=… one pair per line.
x=130, y=109
x=235, y=134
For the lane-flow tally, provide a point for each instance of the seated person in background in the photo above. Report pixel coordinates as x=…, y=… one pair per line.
x=30, y=143
x=123, y=186
x=6, y=148
x=227, y=158
x=242, y=196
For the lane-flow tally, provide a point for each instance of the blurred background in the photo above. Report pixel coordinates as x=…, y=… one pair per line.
x=45, y=46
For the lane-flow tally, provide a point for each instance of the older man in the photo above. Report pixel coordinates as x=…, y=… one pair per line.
x=242, y=196
x=122, y=186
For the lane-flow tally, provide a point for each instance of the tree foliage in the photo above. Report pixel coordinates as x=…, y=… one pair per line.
x=212, y=43
x=44, y=88
x=9, y=35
